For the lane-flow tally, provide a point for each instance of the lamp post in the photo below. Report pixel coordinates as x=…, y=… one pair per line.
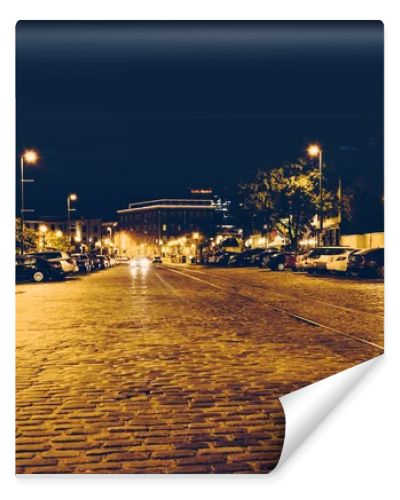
x=70, y=197
x=314, y=150
x=28, y=156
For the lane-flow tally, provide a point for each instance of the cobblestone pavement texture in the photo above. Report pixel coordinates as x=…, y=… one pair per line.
x=153, y=371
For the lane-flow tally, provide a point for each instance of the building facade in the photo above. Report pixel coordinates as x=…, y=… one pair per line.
x=150, y=224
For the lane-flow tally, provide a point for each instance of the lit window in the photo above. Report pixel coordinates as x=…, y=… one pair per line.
x=164, y=227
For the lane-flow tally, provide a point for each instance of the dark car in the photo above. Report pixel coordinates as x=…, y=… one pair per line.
x=84, y=262
x=103, y=261
x=33, y=268
x=262, y=259
x=281, y=261
x=157, y=260
x=367, y=262
x=96, y=262
x=244, y=258
x=222, y=259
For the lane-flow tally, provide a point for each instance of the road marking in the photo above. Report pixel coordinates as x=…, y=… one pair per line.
x=278, y=309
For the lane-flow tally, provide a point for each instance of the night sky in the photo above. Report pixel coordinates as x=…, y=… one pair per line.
x=127, y=111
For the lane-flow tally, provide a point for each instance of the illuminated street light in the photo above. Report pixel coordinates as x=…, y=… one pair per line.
x=70, y=197
x=314, y=150
x=59, y=233
x=28, y=156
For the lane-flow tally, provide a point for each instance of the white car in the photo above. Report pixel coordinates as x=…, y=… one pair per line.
x=123, y=259
x=338, y=263
x=301, y=262
x=68, y=264
x=318, y=258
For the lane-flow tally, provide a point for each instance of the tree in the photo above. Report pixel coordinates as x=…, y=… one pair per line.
x=286, y=197
x=30, y=236
x=57, y=241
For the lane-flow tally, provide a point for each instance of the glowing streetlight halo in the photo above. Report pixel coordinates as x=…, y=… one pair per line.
x=30, y=156
x=73, y=196
x=314, y=150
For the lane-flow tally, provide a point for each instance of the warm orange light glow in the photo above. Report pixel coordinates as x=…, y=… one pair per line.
x=195, y=236
x=42, y=228
x=314, y=150
x=73, y=197
x=30, y=156
x=59, y=233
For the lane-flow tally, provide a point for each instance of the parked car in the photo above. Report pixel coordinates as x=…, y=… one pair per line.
x=244, y=258
x=367, y=262
x=262, y=258
x=97, y=262
x=33, y=268
x=157, y=260
x=338, y=263
x=300, y=263
x=84, y=262
x=112, y=260
x=103, y=262
x=68, y=264
x=318, y=257
x=122, y=259
x=222, y=259
x=281, y=261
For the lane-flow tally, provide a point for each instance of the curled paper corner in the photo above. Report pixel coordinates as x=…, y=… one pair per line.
x=306, y=408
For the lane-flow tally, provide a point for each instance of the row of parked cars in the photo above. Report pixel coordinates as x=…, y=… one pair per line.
x=57, y=265
x=346, y=260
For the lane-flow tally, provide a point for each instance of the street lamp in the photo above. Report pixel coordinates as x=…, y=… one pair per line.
x=28, y=156
x=314, y=150
x=70, y=197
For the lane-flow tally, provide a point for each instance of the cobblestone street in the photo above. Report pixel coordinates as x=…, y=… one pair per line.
x=178, y=369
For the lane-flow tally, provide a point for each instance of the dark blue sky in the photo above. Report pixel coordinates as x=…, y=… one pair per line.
x=125, y=111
